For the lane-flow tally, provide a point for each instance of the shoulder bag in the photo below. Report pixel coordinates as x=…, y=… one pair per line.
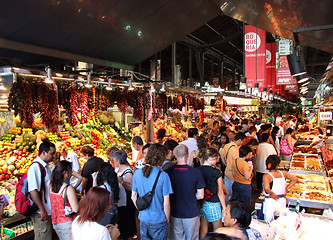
x=68, y=210
x=143, y=202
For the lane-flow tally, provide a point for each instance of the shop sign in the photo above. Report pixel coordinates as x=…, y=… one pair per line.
x=271, y=66
x=325, y=116
x=238, y=101
x=284, y=47
x=255, y=56
x=290, y=87
x=283, y=75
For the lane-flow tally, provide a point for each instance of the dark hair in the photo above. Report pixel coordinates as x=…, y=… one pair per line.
x=223, y=129
x=215, y=122
x=154, y=158
x=253, y=142
x=197, y=117
x=120, y=156
x=138, y=140
x=216, y=236
x=244, y=150
x=45, y=146
x=225, y=135
x=94, y=205
x=111, y=150
x=240, y=210
x=58, y=175
x=204, y=124
x=217, y=143
x=289, y=131
x=87, y=150
x=160, y=133
x=107, y=174
x=207, y=153
x=252, y=129
x=240, y=136
x=275, y=130
x=245, y=121
x=274, y=160
x=320, y=131
x=201, y=142
x=170, y=144
x=146, y=146
x=238, y=128
x=192, y=132
x=264, y=137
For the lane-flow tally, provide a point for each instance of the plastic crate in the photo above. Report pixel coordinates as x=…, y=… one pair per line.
x=9, y=232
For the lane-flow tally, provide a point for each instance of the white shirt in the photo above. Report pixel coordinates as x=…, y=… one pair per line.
x=319, y=139
x=34, y=182
x=191, y=144
x=122, y=191
x=265, y=149
x=72, y=157
x=280, y=133
x=89, y=231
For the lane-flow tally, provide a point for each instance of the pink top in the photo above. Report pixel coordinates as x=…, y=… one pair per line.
x=57, y=207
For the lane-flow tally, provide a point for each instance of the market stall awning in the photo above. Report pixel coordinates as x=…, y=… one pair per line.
x=101, y=32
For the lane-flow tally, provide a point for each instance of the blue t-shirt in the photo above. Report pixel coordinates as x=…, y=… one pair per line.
x=185, y=181
x=155, y=212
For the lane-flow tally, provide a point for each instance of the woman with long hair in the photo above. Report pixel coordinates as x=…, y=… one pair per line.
x=287, y=145
x=93, y=207
x=210, y=211
x=202, y=144
x=107, y=178
x=154, y=219
x=59, y=189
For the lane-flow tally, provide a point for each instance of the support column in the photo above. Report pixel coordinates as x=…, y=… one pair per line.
x=190, y=79
x=173, y=62
x=221, y=74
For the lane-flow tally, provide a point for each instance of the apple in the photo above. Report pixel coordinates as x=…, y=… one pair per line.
x=2, y=177
x=4, y=169
x=6, y=176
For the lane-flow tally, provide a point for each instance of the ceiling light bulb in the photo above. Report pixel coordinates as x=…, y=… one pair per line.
x=152, y=89
x=162, y=89
x=305, y=84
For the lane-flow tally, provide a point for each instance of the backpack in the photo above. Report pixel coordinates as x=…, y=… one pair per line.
x=23, y=201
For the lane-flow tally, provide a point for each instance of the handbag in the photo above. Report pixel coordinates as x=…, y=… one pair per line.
x=284, y=148
x=68, y=210
x=143, y=202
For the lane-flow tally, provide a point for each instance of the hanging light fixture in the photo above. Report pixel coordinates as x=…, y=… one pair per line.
x=302, y=80
x=264, y=95
x=275, y=96
x=89, y=83
x=163, y=88
x=152, y=89
x=271, y=96
x=130, y=85
x=109, y=87
x=242, y=85
x=48, y=78
x=255, y=91
x=2, y=86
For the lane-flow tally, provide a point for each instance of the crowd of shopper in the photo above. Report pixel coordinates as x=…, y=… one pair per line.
x=204, y=180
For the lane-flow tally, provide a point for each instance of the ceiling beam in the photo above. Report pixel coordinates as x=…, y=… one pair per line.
x=24, y=47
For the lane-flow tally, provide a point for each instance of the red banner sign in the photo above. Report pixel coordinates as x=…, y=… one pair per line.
x=271, y=66
x=283, y=75
x=255, y=56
